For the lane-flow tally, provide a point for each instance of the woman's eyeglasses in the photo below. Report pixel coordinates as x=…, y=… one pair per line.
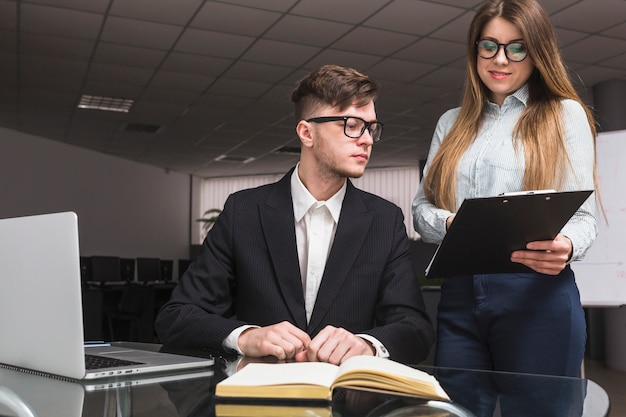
x=514, y=51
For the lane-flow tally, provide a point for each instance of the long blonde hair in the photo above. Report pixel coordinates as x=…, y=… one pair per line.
x=539, y=130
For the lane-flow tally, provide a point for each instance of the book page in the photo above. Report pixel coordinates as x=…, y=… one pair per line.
x=260, y=374
x=385, y=374
x=382, y=366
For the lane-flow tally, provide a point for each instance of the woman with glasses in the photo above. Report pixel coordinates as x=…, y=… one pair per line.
x=521, y=126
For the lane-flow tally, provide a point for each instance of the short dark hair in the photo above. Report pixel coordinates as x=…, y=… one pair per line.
x=332, y=85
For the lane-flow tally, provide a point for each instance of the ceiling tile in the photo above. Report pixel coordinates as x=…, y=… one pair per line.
x=132, y=56
x=456, y=30
x=399, y=70
x=8, y=15
x=433, y=51
x=286, y=53
x=195, y=64
x=566, y=37
x=307, y=31
x=414, y=17
x=452, y=78
x=140, y=33
x=216, y=44
x=108, y=88
x=362, y=62
x=8, y=64
x=225, y=104
x=8, y=41
x=185, y=82
x=59, y=22
x=253, y=71
x=31, y=96
x=228, y=18
x=618, y=62
x=469, y=4
x=374, y=41
x=96, y=6
x=554, y=6
x=348, y=11
x=61, y=68
x=56, y=47
x=239, y=88
x=275, y=5
x=177, y=12
x=157, y=113
x=111, y=73
x=617, y=31
x=591, y=15
x=170, y=95
x=587, y=50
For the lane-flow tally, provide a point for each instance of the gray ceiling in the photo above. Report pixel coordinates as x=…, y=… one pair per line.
x=215, y=76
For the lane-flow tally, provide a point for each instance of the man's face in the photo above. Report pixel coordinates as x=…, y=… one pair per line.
x=335, y=154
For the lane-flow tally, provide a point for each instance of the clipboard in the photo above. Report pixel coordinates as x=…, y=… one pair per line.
x=486, y=230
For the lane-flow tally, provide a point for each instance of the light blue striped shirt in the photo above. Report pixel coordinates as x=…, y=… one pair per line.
x=491, y=166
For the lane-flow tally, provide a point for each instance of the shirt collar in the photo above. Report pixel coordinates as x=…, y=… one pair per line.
x=303, y=200
x=522, y=94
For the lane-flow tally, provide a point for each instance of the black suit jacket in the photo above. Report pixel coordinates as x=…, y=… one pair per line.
x=248, y=273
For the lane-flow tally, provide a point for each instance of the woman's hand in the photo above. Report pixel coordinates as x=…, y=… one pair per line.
x=547, y=256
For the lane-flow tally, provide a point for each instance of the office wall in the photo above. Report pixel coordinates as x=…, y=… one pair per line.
x=397, y=185
x=124, y=208
x=601, y=276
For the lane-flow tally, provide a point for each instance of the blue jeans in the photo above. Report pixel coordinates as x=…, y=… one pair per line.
x=525, y=323
x=530, y=323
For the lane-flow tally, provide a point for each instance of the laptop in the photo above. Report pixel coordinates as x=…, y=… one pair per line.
x=41, y=314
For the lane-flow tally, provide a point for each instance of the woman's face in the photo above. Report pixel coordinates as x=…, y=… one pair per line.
x=499, y=74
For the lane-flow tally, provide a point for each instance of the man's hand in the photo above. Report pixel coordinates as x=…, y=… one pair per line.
x=545, y=257
x=282, y=340
x=334, y=345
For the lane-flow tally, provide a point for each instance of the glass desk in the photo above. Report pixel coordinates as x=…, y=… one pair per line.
x=475, y=393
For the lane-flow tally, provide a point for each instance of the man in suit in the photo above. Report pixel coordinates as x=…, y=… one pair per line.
x=308, y=268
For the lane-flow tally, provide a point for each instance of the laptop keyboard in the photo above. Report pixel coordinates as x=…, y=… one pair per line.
x=99, y=362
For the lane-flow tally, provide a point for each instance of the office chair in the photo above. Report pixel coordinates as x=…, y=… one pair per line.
x=135, y=303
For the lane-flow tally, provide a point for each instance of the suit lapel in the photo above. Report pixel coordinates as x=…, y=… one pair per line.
x=354, y=221
x=277, y=220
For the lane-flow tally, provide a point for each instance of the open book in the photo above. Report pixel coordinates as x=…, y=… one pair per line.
x=316, y=380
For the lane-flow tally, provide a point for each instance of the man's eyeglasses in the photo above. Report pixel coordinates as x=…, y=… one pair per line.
x=353, y=127
x=514, y=51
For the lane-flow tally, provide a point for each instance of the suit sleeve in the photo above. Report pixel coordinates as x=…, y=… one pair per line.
x=402, y=323
x=200, y=310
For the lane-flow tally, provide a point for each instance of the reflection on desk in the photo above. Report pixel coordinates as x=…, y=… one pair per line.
x=479, y=393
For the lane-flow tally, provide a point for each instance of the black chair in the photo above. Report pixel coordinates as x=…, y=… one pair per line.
x=133, y=313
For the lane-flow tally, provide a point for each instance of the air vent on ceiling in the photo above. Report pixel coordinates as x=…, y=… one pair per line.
x=292, y=150
x=142, y=128
x=105, y=103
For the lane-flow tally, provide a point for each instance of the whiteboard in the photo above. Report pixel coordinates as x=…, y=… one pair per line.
x=601, y=276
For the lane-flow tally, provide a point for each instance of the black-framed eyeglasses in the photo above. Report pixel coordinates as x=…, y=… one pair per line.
x=514, y=51
x=353, y=127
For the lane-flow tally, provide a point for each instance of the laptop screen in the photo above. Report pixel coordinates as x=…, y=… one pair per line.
x=40, y=290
